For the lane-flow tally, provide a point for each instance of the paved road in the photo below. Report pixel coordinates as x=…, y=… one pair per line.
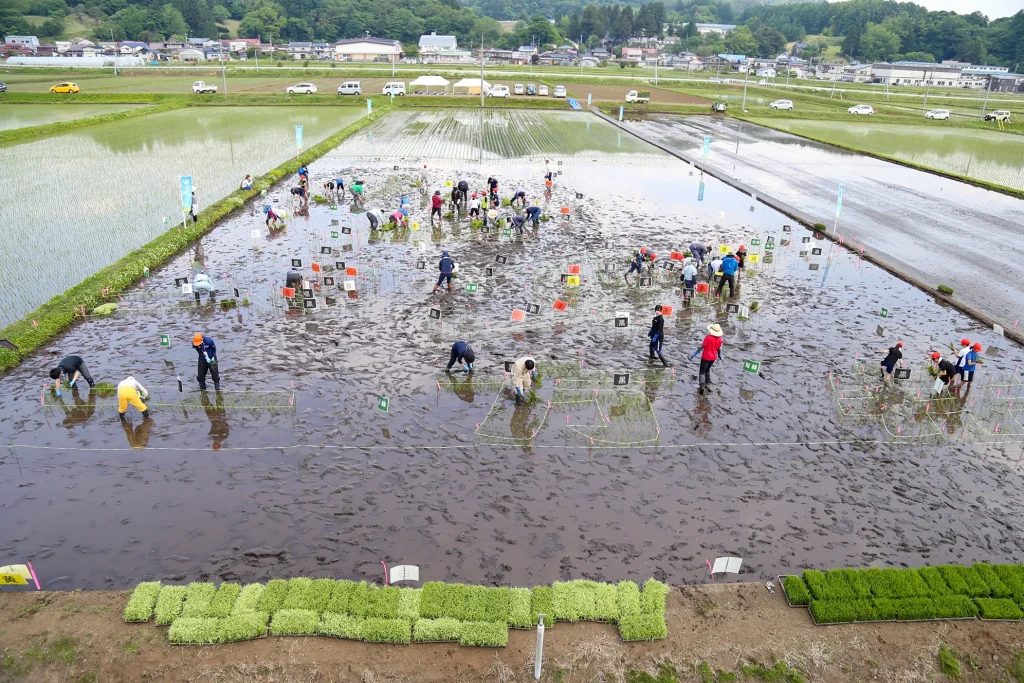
x=939, y=230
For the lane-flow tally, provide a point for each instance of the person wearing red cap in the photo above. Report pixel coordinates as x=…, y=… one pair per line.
x=970, y=364
x=474, y=207
x=207, y=351
x=946, y=372
x=636, y=265
x=894, y=355
x=965, y=348
x=741, y=256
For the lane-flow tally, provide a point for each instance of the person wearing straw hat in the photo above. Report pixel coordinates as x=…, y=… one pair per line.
x=657, y=335
x=710, y=350
x=207, y=351
x=129, y=391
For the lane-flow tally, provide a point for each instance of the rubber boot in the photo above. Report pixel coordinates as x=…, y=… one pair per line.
x=216, y=386
x=145, y=414
x=435, y=290
x=519, y=399
x=663, y=361
x=122, y=416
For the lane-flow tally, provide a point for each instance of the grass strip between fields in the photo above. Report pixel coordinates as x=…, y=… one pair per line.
x=59, y=313
x=473, y=616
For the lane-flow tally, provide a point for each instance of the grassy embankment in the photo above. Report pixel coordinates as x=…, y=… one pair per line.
x=59, y=312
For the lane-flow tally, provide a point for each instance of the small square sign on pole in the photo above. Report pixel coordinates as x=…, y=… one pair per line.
x=533, y=308
x=345, y=230
x=813, y=266
x=165, y=340
x=816, y=251
x=646, y=281
x=334, y=234
x=309, y=303
x=880, y=331
x=501, y=259
x=572, y=281
x=885, y=312
x=787, y=228
x=620, y=379
x=179, y=281
x=421, y=264
x=383, y=403
x=518, y=315
x=805, y=239
x=307, y=293
x=755, y=242
x=339, y=265
x=328, y=281
x=489, y=272
x=508, y=365
x=435, y=313
x=296, y=263
x=325, y=250
x=560, y=305
x=751, y=366
x=186, y=289
x=471, y=287
x=901, y=374
x=732, y=308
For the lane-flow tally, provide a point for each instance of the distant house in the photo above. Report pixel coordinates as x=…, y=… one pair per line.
x=632, y=54
x=766, y=72
x=201, y=42
x=191, y=54
x=299, y=50
x=589, y=61
x=367, y=50
x=433, y=43
x=720, y=29
x=1007, y=82
x=448, y=57
x=30, y=42
x=601, y=53
x=829, y=70
x=556, y=59
x=132, y=47
x=498, y=56
x=526, y=50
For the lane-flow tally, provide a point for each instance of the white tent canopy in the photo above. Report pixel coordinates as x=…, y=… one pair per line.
x=430, y=82
x=472, y=85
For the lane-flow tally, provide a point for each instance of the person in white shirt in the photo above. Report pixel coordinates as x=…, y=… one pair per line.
x=130, y=391
x=714, y=266
x=523, y=373
x=474, y=206
x=689, y=277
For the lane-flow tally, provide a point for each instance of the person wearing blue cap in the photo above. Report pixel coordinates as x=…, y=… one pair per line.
x=447, y=267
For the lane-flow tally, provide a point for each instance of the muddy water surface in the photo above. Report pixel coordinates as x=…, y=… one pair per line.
x=314, y=479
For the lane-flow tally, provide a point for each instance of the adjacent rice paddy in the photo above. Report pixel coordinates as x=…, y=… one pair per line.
x=22, y=115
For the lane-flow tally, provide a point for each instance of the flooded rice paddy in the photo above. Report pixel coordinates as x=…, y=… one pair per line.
x=940, y=230
x=97, y=193
x=293, y=469
x=986, y=155
x=22, y=115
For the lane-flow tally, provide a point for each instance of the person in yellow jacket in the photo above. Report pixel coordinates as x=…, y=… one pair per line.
x=130, y=391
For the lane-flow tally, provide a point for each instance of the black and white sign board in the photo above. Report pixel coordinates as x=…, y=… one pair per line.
x=620, y=379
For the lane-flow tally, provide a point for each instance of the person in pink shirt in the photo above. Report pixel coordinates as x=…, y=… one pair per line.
x=436, y=202
x=710, y=350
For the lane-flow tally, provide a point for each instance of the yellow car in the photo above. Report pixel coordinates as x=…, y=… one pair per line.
x=65, y=87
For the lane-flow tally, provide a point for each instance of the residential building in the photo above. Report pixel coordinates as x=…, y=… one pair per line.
x=1002, y=82
x=132, y=47
x=720, y=29
x=447, y=57
x=433, y=43
x=601, y=53
x=858, y=73
x=528, y=50
x=973, y=67
x=367, y=50
x=31, y=42
x=62, y=45
x=299, y=50
x=632, y=54
x=829, y=70
x=46, y=50
x=718, y=63
x=916, y=73
x=498, y=56
x=191, y=54
x=589, y=61
x=766, y=72
x=977, y=78
x=199, y=42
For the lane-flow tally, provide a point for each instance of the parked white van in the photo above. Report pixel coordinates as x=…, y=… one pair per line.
x=395, y=88
x=350, y=88
x=499, y=91
x=519, y=89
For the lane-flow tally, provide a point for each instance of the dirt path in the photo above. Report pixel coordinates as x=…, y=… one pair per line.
x=79, y=636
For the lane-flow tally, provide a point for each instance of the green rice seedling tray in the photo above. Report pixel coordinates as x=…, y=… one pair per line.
x=782, y=586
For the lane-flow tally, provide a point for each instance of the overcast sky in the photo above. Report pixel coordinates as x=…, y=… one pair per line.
x=992, y=8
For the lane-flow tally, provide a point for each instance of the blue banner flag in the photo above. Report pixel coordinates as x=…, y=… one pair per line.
x=186, y=193
x=707, y=146
x=700, y=192
x=839, y=203
x=620, y=113
x=369, y=106
x=298, y=136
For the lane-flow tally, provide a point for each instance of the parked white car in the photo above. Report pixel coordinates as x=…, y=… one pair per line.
x=542, y=90
x=782, y=105
x=938, y=114
x=999, y=115
x=395, y=88
x=519, y=89
x=560, y=91
x=763, y=81
x=499, y=91
x=861, y=109
x=350, y=88
x=301, y=89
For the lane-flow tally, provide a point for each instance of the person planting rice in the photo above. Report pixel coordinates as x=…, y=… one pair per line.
x=474, y=206
x=131, y=392
x=492, y=187
x=699, y=251
x=328, y=189
x=192, y=209
x=714, y=266
x=339, y=189
x=375, y=217
x=657, y=335
x=461, y=352
x=524, y=371
x=946, y=371
x=636, y=265
x=300, y=192
x=710, y=350
x=533, y=214
x=519, y=196
x=729, y=267
x=447, y=266
x=894, y=354
x=271, y=216
x=293, y=279
x=207, y=351
x=689, y=277
x=397, y=220
x=970, y=364
x=435, y=207
x=303, y=173
x=961, y=353
x=72, y=367
x=202, y=283
x=357, y=192
x=518, y=222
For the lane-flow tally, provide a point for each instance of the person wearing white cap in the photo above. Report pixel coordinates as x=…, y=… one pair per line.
x=710, y=350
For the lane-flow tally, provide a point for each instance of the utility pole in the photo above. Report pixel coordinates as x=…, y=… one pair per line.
x=579, y=54
x=988, y=87
x=259, y=42
x=223, y=75
x=481, y=71
x=746, y=75
x=926, y=91
x=116, y=50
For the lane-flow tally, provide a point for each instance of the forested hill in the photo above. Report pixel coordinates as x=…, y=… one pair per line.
x=869, y=30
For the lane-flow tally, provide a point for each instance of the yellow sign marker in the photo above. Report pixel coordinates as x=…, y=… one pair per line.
x=754, y=258
x=572, y=281
x=415, y=225
x=448, y=183
x=723, y=249
x=12, y=579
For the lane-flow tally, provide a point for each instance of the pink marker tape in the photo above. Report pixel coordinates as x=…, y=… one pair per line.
x=710, y=569
x=32, y=571
x=387, y=582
